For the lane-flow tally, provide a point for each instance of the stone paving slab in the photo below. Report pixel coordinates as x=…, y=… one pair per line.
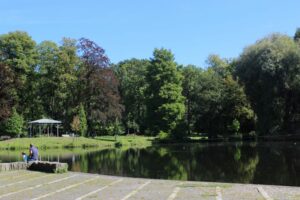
x=283, y=193
x=160, y=190
x=27, y=185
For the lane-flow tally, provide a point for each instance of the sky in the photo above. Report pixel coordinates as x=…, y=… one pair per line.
x=191, y=29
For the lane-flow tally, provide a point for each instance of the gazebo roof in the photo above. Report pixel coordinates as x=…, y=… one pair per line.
x=45, y=121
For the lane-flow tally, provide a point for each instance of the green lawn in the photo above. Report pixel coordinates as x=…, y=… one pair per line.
x=80, y=142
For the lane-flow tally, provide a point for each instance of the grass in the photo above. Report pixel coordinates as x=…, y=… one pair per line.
x=132, y=140
x=77, y=142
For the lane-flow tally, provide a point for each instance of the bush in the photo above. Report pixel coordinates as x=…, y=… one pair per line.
x=163, y=135
x=14, y=125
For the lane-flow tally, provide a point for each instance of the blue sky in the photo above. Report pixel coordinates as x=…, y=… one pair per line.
x=192, y=29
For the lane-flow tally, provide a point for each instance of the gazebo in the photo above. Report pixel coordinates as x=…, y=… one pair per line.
x=47, y=122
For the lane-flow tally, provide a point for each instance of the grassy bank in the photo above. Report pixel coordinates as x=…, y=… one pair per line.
x=77, y=142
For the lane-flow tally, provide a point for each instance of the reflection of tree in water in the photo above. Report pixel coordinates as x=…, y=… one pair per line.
x=229, y=163
x=279, y=164
x=263, y=163
x=153, y=162
x=234, y=163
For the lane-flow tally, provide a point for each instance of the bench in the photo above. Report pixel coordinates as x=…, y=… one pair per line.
x=43, y=166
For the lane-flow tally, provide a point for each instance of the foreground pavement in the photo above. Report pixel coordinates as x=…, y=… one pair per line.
x=76, y=186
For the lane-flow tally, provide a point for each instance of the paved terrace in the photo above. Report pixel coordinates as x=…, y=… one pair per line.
x=36, y=185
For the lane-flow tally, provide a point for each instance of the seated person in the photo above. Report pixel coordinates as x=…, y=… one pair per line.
x=33, y=153
x=25, y=157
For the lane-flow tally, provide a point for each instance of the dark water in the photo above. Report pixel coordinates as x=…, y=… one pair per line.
x=275, y=163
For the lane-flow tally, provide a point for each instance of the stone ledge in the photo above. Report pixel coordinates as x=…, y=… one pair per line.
x=52, y=167
x=13, y=166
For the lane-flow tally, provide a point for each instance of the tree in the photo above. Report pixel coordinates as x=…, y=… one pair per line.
x=79, y=122
x=18, y=52
x=75, y=125
x=48, y=73
x=221, y=66
x=67, y=88
x=165, y=103
x=14, y=125
x=270, y=71
x=83, y=122
x=98, y=86
x=6, y=95
x=58, y=76
x=191, y=76
x=297, y=35
x=217, y=100
x=132, y=78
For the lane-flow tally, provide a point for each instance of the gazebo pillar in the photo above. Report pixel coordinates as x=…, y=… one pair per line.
x=57, y=130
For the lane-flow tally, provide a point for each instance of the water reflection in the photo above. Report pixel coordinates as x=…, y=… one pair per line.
x=261, y=163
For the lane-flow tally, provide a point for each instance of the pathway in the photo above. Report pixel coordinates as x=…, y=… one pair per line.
x=36, y=185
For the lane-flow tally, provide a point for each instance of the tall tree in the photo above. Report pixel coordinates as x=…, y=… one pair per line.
x=132, y=78
x=98, y=86
x=165, y=103
x=58, y=76
x=18, y=52
x=68, y=61
x=48, y=78
x=270, y=70
x=191, y=76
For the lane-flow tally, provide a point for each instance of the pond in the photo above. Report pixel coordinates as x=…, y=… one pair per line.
x=273, y=163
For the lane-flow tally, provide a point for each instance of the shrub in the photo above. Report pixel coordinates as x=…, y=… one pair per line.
x=14, y=125
x=163, y=135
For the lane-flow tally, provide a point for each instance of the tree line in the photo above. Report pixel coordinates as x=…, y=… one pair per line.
x=74, y=81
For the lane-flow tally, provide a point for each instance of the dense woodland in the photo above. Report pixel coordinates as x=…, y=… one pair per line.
x=74, y=81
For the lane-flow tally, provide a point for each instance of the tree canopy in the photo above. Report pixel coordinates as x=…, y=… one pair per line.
x=75, y=82
x=165, y=103
x=270, y=71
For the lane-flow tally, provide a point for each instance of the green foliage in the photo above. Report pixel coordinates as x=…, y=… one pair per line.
x=117, y=128
x=221, y=66
x=83, y=122
x=7, y=95
x=297, y=35
x=259, y=91
x=61, y=170
x=132, y=78
x=191, y=75
x=270, y=71
x=234, y=127
x=165, y=103
x=215, y=99
x=163, y=135
x=14, y=125
x=18, y=52
x=57, y=77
